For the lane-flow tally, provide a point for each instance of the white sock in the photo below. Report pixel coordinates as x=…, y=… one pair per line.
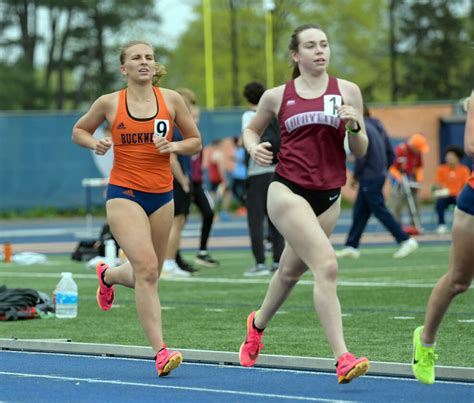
x=169, y=264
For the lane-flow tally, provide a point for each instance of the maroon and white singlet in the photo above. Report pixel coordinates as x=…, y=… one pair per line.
x=312, y=151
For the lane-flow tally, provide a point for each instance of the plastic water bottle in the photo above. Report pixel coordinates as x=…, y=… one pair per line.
x=66, y=297
x=110, y=252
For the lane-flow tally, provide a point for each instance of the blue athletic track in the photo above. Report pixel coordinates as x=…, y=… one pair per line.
x=71, y=378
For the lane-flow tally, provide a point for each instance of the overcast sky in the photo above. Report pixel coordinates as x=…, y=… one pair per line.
x=175, y=17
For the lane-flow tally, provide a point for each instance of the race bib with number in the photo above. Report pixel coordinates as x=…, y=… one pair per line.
x=330, y=104
x=162, y=127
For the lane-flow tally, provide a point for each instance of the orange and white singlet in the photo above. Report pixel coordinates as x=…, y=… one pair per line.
x=137, y=162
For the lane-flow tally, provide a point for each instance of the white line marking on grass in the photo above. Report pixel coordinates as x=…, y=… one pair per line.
x=169, y=387
x=167, y=308
x=403, y=317
x=217, y=280
x=466, y=320
x=393, y=269
x=47, y=275
x=215, y=310
x=424, y=248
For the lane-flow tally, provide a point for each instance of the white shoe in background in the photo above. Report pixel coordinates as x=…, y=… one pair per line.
x=406, y=247
x=348, y=251
x=258, y=270
x=172, y=270
x=442, y=229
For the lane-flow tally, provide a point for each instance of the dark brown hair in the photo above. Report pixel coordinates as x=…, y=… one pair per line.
x=455, y=149
x=253, y=91
x=295, y=41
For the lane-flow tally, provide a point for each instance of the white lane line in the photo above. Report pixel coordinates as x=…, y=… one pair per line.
x=403, y=317
x=184, y=388
x=14, y=233
x=228, y=367
x=216, y=280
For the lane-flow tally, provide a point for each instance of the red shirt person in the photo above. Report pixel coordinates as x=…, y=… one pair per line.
x=409, y=162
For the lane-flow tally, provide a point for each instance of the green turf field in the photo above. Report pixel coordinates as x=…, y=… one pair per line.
x=382, y=301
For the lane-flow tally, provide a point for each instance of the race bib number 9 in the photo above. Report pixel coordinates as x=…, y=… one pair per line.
x=330, y=104
x=162, y=127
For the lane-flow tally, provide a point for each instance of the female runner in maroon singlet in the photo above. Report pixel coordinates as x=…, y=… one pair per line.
x=315, y=111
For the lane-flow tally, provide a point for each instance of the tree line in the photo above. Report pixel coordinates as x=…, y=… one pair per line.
x=62, y=54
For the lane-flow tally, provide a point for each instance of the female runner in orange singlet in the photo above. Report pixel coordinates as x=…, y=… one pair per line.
x=139, y=204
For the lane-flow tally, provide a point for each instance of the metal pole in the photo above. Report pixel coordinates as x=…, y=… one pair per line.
x=269, y=7
x=235, y=53
x=411, y=203
x=393, y=50
x=208, y=58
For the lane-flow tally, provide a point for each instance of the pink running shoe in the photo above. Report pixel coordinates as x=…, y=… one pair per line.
x=251, y=347
x=166, y=361
x=105, y=295
x=349, y=367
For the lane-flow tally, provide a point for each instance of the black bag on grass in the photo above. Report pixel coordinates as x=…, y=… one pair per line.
x=88, y=249
x=23, y=303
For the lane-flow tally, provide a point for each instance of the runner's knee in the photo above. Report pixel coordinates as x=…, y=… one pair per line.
x=460, y=285
x=287, y=278
x=146, y=272
x=327, y=270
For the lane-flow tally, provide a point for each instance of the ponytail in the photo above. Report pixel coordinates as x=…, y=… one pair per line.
x=160, y=72
x=296, y=71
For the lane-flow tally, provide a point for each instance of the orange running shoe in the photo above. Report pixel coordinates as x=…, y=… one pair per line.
x=105, y=295
x=166, y=361
x=349, y=367
x=251, y=347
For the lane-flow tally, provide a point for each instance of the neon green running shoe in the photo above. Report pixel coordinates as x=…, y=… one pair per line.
x=424, y=359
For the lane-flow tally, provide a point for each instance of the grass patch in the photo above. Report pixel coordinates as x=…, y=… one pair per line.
x=374, y=290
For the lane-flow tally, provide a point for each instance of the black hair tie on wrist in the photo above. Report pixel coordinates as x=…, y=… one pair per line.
x=353, y=131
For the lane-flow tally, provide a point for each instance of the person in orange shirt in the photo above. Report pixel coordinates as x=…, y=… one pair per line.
x=139, y=203
x=450, y=179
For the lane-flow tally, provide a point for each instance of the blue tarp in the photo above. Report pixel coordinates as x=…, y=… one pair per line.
x=40, y=167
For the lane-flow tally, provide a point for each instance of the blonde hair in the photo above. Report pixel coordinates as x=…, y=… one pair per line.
x=465, y=103
x=160, y=71
x=125, y=47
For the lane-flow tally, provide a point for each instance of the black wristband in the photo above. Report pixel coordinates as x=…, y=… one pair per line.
x=354, y=131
